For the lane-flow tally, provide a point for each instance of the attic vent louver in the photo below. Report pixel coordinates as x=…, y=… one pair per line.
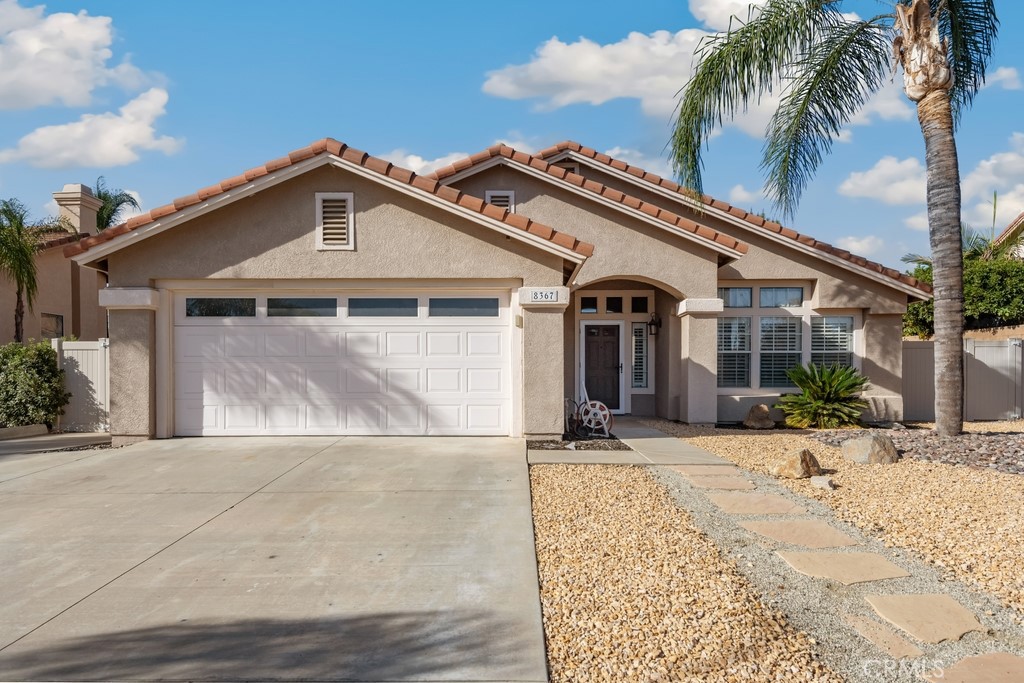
x=334, y=221
x=506, y=199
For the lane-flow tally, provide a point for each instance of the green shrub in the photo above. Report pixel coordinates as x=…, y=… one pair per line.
x=31, y=386
x=828, y=399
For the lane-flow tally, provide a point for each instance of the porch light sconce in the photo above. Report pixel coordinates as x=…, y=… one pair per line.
x=653, y=325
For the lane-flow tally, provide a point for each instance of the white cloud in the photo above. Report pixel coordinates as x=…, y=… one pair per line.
x=651, y=163
x=890, y=181
x=1005, y=77
x=418, y=164
x=919, y=221
x=740, y=195
x=98, y=140
x=889, y=103
x=57, y=58
x=717, y=14
x=868, y=245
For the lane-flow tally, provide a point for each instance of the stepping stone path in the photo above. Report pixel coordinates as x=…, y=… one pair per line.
x=928, y=619
x=846, y=568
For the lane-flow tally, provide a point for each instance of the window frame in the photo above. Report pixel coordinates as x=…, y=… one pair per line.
x=350, y=241
x=806, y=313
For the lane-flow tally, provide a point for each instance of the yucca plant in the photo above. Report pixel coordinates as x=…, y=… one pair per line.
x=829, y=397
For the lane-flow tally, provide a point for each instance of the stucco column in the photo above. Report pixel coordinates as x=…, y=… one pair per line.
x=882, y=361
x=132, y=362
x=698, y=402
x=543, y=361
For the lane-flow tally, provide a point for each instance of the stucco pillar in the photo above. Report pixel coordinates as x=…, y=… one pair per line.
x=882, y=361
x=132, y=313
x=698, y=402
x=543, y=361
x=78, y=206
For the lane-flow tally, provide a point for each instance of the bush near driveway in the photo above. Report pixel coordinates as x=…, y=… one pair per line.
x=31, y=385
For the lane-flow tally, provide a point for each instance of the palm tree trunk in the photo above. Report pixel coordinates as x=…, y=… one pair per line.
x=935, y=115
x=19, y=317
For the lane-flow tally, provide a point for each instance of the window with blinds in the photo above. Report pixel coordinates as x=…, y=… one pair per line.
x=334, y=221
x=781, y=347
x=640, y=355
x=734, y=352
x=506, y=199
x=832, y=340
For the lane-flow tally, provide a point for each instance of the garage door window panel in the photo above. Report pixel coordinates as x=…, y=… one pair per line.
x=464, y=307
x=302, y=307
x=391, y=307
x=220, y=307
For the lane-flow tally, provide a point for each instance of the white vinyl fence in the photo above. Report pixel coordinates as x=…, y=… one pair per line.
x=87, y=376
x=993, y=386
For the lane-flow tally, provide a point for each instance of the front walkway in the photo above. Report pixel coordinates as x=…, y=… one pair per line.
x=310, y=558
x=883, y=613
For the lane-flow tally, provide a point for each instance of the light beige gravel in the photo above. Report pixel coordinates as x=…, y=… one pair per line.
x=968, y=522
x=631, y=591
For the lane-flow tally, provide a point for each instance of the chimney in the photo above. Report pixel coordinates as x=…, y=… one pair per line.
x=79, y=206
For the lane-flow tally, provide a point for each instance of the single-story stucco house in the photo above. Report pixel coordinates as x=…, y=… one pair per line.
x=331, y=292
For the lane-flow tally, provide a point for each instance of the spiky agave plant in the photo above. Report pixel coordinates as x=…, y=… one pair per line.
x=829, y=397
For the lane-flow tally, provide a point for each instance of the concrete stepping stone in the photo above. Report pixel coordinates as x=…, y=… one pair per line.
x=846, y=568
x=883, y=637
x=723, y=483
x=930, y=618
x=995, y=667
x=809, y=533
x=755, y=504
x=706, y=470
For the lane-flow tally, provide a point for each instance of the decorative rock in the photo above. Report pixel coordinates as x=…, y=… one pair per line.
x=822, y=482
x=871, y=450
x=798, y=464
x=759, y=417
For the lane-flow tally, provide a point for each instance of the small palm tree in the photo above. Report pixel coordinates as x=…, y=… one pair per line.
x=829, y=398
x=19, y=243
x=115, y=202
x=828, y=64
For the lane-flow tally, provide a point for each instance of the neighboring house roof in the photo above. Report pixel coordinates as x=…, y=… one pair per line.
x=1012, y=230
x=752, y=221
x=327, y=148
x=58, y=238
x=718, y=241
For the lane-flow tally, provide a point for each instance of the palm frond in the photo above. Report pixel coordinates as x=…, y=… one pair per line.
x=737, y=68
x=971, y=27
x=847, y=64
x=114, y=202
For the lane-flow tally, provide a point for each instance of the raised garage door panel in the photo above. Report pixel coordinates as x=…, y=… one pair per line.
x=416, y=376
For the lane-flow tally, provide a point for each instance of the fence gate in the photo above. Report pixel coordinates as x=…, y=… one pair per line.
x=993, y=380
x=87, y=376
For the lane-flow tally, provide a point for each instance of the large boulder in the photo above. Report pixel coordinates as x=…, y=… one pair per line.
x=797, y=464
x=759, y=417
x=873, y=449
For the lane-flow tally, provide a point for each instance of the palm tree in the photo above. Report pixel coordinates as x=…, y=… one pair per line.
x=115, y=201
x=828, y=65
x=19, y=243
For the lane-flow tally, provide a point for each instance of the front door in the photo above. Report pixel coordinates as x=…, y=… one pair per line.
x=603, y=371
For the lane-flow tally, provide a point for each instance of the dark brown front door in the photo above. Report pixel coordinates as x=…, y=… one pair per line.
x=603, y=370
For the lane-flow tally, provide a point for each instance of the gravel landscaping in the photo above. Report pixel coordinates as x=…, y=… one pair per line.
x=632, y=591
x=966, y=521
x=595, y=444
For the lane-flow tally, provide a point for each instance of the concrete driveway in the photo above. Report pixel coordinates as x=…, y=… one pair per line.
x=314, y=558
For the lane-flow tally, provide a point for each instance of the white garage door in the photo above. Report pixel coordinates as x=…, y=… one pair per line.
x=342, y=363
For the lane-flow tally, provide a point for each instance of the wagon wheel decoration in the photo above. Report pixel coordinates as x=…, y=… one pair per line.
x=596, y=417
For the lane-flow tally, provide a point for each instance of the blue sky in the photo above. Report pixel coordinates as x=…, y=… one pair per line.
x=164, y=98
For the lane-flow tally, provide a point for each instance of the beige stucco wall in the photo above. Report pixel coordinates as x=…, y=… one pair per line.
x=270, y=236
x=132, y=375
x=53, y=296
x=624, y=247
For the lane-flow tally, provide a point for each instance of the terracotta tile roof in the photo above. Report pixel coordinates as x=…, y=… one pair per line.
x=752, y=219
x=1015, y=225
x=652, y=210
x=58, y=238
x=355, y=156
